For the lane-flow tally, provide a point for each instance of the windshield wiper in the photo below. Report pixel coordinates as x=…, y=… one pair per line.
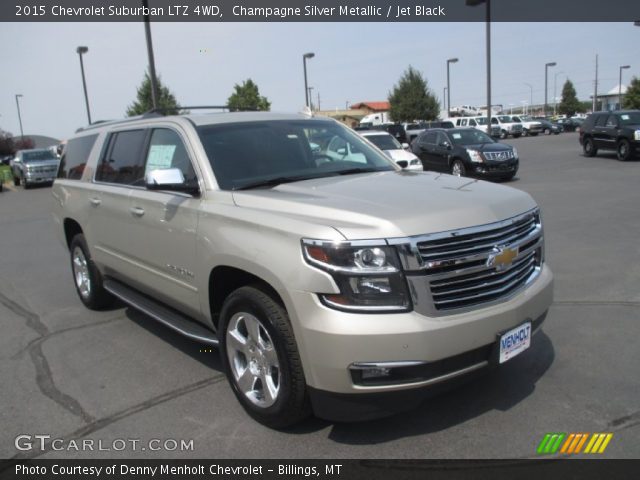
x=351, y=171
x=274, y=182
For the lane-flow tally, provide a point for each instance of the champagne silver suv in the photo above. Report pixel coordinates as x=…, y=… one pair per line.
x=332, y=282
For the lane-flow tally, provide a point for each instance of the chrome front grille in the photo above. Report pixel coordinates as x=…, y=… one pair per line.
x=506, y=155
x=41, y=169
x=471, y=267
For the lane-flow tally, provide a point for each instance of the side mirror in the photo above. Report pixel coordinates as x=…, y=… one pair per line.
x=168, y=179
x=406, y=146
x=342, y=151
x=446, y=145
x=403, y=163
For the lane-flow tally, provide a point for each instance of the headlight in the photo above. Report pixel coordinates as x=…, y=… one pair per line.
x=475, y=156
x=415, y=162
x=368, y=274
x=636, y=135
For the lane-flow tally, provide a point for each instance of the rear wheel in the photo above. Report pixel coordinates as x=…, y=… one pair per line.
x=623, y=150
x=86, y=276
x=458, y=169
x=261, y=359
x=16, y=181
x=588, y=147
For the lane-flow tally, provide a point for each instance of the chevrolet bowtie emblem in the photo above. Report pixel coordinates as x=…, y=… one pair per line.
x=502, y=258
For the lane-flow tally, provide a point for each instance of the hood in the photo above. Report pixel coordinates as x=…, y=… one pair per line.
x=400, y=155
x=490, y=147
x=390, y=204
x=42, y=163
x=633, y=126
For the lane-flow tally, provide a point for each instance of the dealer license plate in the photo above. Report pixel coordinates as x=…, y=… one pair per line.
x=515, y=341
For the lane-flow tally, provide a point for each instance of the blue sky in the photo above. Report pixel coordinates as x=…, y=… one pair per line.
x=200, y=63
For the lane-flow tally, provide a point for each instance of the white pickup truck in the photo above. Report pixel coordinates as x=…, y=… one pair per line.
x=529, y=125
x=508, y=126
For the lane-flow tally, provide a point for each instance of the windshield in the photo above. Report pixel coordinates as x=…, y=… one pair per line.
x=37, y=155
x=249, y=154
x=470, y=137
x=505, y=118
x=632, y=118
x=384, y=142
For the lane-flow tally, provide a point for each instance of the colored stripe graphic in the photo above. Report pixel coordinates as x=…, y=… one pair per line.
x=573, y=443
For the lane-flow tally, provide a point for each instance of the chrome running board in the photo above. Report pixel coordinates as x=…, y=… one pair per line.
x=165, y=315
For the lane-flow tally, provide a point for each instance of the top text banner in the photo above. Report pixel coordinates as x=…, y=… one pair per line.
x=320, y=10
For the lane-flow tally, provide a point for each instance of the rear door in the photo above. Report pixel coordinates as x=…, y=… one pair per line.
x=600, y=132
x=425, y=149
x=162, y=225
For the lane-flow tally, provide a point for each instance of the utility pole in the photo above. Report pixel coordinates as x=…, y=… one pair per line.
x=152, y=63
x=319, y=101
x=595, y=89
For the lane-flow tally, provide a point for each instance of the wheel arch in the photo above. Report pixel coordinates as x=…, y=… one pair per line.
x=71, y=229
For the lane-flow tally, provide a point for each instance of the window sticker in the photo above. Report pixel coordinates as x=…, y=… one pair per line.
x=457, y=136
x=160, y=157
x=624, y=117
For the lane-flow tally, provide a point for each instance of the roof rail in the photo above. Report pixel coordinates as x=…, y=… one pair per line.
x=163, y=110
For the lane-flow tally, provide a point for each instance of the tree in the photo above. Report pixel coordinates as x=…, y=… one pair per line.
x=411, y=99
x=631, y=99
x=569, y=104
x=7, y=144
x=166, y=100
x=247, y=97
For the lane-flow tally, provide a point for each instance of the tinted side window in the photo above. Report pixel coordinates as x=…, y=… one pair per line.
x=74, y=157
x=166, y=150
x=429, y=137
x=123, y=160
x=601, y=120
x=612, y=121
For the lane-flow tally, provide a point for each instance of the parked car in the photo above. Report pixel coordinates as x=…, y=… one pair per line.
x=412, y=130
x=466, y=152
x=6, y=159
x=570, y=124
x=508, y=126
x=394, y=129
x=549, y=127
x=479, y=123
x=530, y=126
x=330, y=285
x=34, y=166
x=396, y=151
x=618, y=131
x=438, y=124
x=465, y=111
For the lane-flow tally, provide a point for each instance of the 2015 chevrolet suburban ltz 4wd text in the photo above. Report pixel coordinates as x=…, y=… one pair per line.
x=337, y=284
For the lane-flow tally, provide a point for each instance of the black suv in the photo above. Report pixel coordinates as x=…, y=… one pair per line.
x=619, y=131
x=465, y=152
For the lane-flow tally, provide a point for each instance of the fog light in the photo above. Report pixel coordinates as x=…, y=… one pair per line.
x=375, y=372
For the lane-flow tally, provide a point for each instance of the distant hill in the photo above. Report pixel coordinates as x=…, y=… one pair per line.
x=40, y=140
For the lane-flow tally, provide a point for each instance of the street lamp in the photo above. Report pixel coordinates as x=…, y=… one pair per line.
x=304, y=65
x=80, y=51
x=473, y=3
x=546, y=68
x=19, y=117
x=620, y=86
x=555, y=99
x=310, y=97
x=444, y=99
x=530, y=92
x=449, y=61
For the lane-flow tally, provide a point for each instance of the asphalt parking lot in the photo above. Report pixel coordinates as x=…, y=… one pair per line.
x=74, y=374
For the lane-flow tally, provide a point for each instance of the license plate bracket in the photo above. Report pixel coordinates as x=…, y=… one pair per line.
x=513, y=342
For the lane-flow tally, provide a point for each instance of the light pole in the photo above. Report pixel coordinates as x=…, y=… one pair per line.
x=546, y=68
x=152, y=63
x=449, y=61
x=310, y=97
x=80, y=51
x=444, y=99
x=473, y=3
x=524, y=106
x=555, y=99
x=530, y=93
x=304, y=65
x=620, y=86
x=19, y=117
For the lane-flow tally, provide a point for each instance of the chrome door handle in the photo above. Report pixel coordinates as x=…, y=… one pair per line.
x=137, y=211
x=95, y=201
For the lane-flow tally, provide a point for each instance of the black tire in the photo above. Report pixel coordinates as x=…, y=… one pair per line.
x=525, y=132
x=25, y=185
x=547, y=131
x=517, y=135
x=292, y=402
x=589, y=148
x=503, y=134
x=457, y=163
x=16, y=181
x=623, y=150
x=97, y=298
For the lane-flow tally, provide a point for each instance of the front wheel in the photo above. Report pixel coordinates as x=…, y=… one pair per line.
x=261, y=359
x=86, y=276
x=589, y=148
x=525, y=133
x=503, y=134
x=624, y=150
x=16, y=181
x=458, y=169
x=547, y=131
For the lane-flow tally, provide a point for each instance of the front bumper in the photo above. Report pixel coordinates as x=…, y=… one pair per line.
x=491, y=169
x=39, y=177
x=331, y=341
